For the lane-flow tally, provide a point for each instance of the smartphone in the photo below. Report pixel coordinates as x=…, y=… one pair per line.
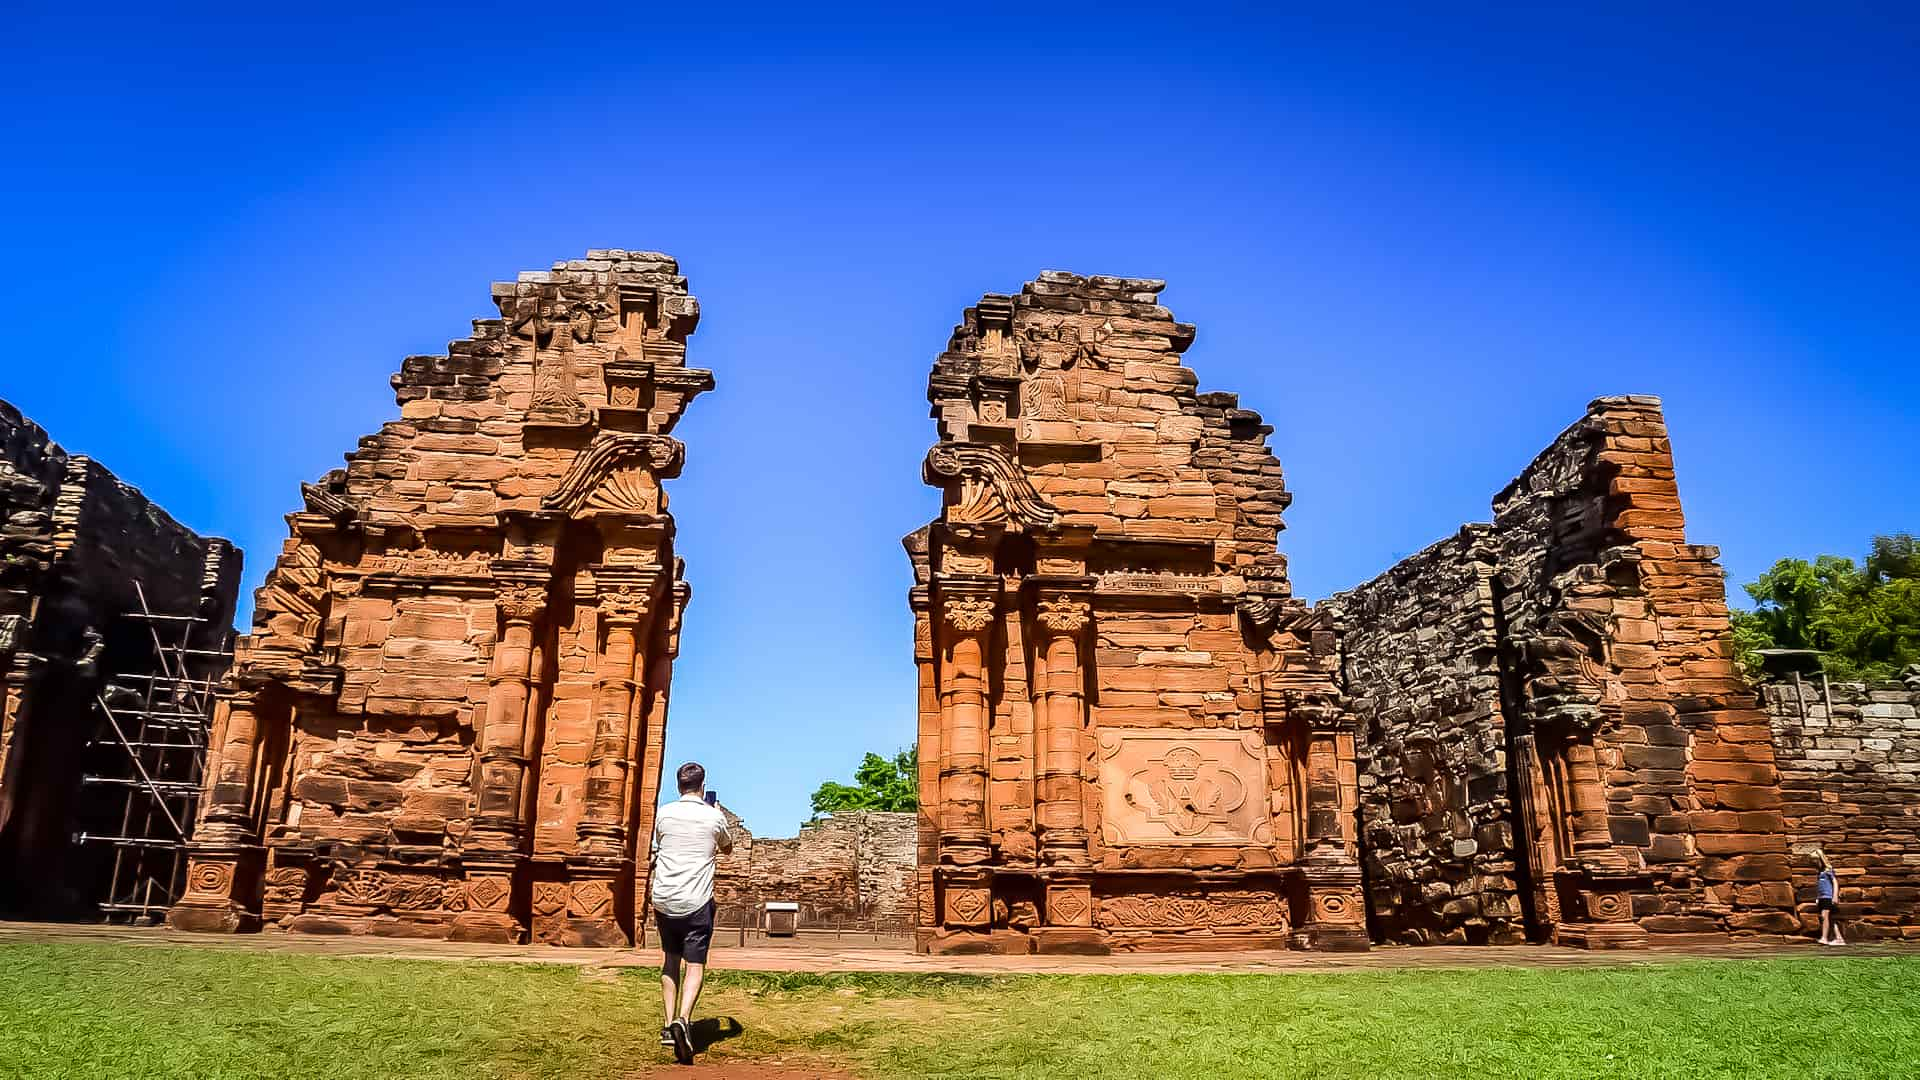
x=713, y=797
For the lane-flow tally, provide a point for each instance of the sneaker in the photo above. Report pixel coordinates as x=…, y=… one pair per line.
x=682, y=1042
x=666, y=1036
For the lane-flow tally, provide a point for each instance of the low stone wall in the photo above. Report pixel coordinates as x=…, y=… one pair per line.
x=1849, y=759
x=849, y=869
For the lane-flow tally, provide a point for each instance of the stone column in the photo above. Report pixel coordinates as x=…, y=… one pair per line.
x=1335, y=910
x=1597, y=883
x=225, y=845
x=492, y=856
x=968, y=607
x=648, y=748
x=625, y=599
x=1062, y=618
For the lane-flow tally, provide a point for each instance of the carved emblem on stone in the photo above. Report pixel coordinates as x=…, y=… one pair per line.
x=967, y=907
x=1185, y=791
x=1183, y=787
x=1063, y=615
x=969, y=614
x=1221, y=910
x=1069, y=906
x=549, y=899
x=589, y=899
x=363, y=888
x=625, y=602
x=211, y=879
x=487, y=893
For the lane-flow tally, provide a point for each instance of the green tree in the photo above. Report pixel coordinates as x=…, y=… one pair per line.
x=878, y=784
x=1863, y=619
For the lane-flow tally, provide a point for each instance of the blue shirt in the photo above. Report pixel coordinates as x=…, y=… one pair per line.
x=1828, y=885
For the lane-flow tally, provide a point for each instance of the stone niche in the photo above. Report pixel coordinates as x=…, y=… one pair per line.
x=449, y=717
x=1130, y=731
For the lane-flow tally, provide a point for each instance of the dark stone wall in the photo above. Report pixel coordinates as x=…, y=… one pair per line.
x=1578, y=627
x=1420, y=650
x=74, y=540
x=852, y=869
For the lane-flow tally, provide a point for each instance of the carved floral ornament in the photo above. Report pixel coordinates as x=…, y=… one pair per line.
x=969, y=614
x=625, y=602
x=1063, y=615
x=522, y=602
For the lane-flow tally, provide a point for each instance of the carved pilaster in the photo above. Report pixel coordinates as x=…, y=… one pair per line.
x=1335, y=909
x=1063, y=613
x=968, y=607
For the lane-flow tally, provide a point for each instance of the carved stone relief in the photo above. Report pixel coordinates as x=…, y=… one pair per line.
x=1183, y=787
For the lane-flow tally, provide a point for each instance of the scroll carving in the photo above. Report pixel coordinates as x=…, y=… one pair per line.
x=619, y=473
x=989, y=486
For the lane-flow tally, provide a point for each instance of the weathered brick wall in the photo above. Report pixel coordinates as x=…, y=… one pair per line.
x=74, y=540
x=850, y=869
x=1420, y=651
x=1849, y=758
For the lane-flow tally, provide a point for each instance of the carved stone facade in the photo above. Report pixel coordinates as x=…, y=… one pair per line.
x=1556, y=742
x=74, y=542
x=1131, y=734
x=449, y=718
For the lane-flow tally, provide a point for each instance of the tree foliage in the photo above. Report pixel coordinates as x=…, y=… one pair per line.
x=1863, y=619
x=878, y=784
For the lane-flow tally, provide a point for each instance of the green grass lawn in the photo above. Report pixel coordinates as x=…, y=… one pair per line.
x=106, y=1010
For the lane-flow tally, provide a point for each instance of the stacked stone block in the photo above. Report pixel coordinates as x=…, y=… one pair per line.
x=853, y=869
x=1581, y=636
x=1849, y=760
x=450, y=715
x=1130, y=735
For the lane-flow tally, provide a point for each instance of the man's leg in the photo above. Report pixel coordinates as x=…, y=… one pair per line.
x=690, y=989
x=1826, y=924
x=670, y=985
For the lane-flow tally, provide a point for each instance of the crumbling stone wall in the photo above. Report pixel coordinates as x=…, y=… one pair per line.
x=1129, y=732
x=1421, y=652
x=1849, y=760
x=450, y=716
x=74, y=541
x=1640, y=771
x=852, y=869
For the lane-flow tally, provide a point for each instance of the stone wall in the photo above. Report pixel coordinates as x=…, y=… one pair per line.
x=1421, y=651
x=851, y=869
x=450, y=715
x=1849, y=758
x=1130, y=734
x=74, y=541
x=1583, y=636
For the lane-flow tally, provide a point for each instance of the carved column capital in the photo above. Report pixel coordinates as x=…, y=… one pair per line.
x=521, y=602
x=968, y=614
x=1063, y=614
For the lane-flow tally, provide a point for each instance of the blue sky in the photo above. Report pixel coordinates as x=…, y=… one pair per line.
x=1419, y=244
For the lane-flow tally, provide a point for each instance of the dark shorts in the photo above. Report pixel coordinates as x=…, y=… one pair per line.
x=1827, y=904
x=686, y=935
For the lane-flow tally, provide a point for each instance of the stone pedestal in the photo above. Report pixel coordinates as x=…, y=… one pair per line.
x=1068, y=920
x=1336, y=914
x=489, y=888
x=592, y=920
x=1596, y=905
x=216, y=899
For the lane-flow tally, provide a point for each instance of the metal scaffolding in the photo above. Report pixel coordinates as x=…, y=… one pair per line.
x=159, y=719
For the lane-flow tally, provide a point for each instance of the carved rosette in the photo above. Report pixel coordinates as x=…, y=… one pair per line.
x=969, y=614
x=1069, y=905
x=210, y=880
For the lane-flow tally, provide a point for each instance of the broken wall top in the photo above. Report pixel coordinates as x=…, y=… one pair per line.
x=562, y=406
x=1067, y=406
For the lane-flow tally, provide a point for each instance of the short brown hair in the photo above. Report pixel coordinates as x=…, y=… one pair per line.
x=692, y=777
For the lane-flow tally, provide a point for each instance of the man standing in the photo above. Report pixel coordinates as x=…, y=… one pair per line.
x=687, y=834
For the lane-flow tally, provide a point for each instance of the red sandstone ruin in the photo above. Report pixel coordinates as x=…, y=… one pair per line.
x=449, y=718
x=1131, y=734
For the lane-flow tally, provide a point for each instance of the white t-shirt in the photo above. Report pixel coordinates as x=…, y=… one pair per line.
x=686, y=835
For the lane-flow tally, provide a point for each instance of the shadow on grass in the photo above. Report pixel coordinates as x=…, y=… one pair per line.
x=714, y=1029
